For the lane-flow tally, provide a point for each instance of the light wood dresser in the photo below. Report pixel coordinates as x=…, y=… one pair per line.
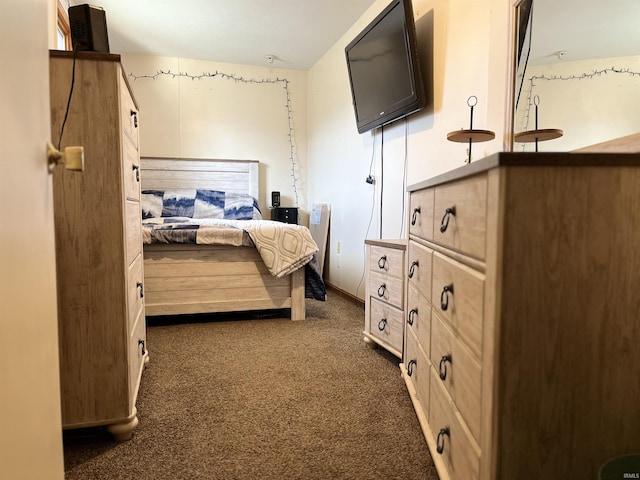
x=522, y=353
x=384, y=303
x=98, y=228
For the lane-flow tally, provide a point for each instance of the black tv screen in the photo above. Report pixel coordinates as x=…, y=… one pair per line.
x=386, y=82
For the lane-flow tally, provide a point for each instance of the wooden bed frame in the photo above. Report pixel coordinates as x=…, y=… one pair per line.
x=184, y=279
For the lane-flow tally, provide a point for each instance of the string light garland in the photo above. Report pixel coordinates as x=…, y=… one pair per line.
x=582, y=76
x=237, y=79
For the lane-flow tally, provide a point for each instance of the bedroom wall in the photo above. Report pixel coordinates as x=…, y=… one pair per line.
x=469, y=40
x=196, y=109
x=592, y=101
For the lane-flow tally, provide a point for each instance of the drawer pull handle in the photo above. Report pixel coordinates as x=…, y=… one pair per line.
x=412, y=315
x=444, y=298
x=414, y=216
x=440, y=440
x=412, y=268
x=382, y=324
x=442, y=369
x=134, y=114
x=445, y=219
x=410, y=366
x=139, y=285
x=144, y=350
x=136, y=169
x=382, y=289
x=382, y=262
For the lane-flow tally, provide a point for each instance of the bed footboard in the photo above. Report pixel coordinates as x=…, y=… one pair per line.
x=183, y=278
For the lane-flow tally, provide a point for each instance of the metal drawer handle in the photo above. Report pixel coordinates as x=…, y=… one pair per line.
x=134, y=114
x=445, y=219
x=414, y=216
x=144, y=350
x=412, y=268
x=139, y=285
x=410, y=366
x=440, y=440
x=136, y=169
x=442, y=369
x=444, y=298
x=412, y=315
x=382, y=324
x=382, y=262
x=382, y=289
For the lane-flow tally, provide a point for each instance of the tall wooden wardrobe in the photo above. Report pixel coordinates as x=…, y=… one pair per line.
x=102, y=337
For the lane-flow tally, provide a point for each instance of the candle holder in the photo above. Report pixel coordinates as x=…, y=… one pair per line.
x=538, y=135
x=471, y=135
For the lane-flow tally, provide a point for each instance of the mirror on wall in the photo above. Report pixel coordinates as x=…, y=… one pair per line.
x=577, y=72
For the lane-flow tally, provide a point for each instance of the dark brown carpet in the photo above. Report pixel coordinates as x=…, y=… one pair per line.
x=251, y=397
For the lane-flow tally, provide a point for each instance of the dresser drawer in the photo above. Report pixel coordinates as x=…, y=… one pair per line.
x=419, y=268
x=386, y=324
x=386, y=288
x=459, y=452
x=417, y=369
x=137, y=351
x=135, y=291
x=128, y=115
x=459, y=372
x=419, y=318
x=460, y=215
x=387, y=261
x=130, y=171
x=421, y=213
x=133, y=230
x=457, y=296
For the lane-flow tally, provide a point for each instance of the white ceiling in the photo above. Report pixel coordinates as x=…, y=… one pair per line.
x=296, y=32
x=584, y=29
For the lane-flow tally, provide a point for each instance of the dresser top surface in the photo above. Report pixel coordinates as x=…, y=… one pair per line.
x=531, y=159
x=398, y=244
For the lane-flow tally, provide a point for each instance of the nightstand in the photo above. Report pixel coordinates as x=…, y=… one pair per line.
x=384, y=301
x=285, y=214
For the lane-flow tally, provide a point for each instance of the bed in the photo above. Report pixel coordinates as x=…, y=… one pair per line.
x=196, y=261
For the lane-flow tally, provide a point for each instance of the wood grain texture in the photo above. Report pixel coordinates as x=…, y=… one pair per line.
x=384, y=294
x=628, y=144
x=464, y=305
x=421, y=214
x=460, y=454
x=463, y=372
x=466, y=228
x=418, y=318
x=569, y=329
x=98, y=240
x=387, y=324
x=554, y=320
x=210, y=278
x=238, y=176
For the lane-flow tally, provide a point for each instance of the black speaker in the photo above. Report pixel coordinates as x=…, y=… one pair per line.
x=275, y=199
x=88, y=28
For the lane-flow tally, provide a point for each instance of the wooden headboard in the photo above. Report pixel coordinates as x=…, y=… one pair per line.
x=239, y=176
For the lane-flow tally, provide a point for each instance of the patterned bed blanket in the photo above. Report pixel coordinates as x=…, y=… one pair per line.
x=283, y=247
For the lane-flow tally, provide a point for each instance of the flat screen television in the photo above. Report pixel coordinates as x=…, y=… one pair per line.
x=384, y=72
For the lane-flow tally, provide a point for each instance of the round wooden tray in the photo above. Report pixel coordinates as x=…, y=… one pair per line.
x=463, y=136
x=540, y=135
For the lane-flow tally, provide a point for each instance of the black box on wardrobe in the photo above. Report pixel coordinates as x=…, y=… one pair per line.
x=88, y=28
